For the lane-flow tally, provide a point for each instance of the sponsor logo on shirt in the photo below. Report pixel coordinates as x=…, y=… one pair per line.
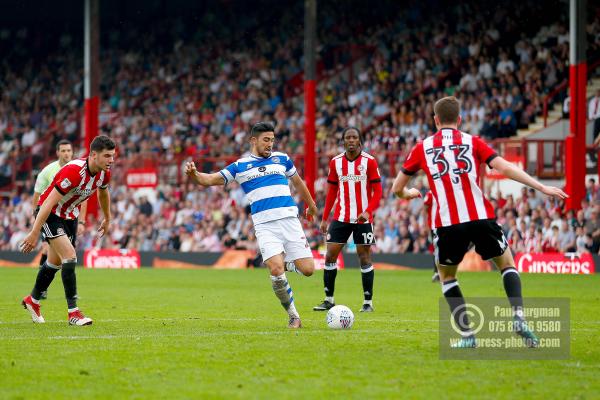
x=84, y=192
x=353, y=178
x=249, y=178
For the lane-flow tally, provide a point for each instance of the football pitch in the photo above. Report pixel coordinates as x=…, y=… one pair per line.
x=223, y=334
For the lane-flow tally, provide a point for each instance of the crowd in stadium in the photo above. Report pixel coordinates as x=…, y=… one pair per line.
x=214, y=220
x=180, y=91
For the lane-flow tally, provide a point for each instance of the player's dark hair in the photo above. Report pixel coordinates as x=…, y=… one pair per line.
x=261, y=127
x=101, y=143
x=352, y=128
x=447, y=110
x=63, y=142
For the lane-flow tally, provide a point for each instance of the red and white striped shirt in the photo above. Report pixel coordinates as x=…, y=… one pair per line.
x=355, y=179
x=451, y=160
x=76, y=183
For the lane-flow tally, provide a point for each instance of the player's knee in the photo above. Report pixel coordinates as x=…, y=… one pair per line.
x=310, y=269
x=446, y=275
x=306, y=266
x=69, y=263
x=276, y=270
x=330, y=260
x=331, y=257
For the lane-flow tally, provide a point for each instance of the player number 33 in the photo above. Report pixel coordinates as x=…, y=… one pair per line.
x=444, y=166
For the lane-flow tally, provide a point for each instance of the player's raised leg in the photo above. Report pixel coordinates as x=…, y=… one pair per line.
x=65, y=250
x=305, y=266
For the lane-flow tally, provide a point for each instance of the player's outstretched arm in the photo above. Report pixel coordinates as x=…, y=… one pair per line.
x=509, y=170
x=31, y=239
x=302, y=190
x=104, y=200
x=399, y=187
x=201, y=178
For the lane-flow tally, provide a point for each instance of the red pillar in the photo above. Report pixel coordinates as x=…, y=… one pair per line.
x=310, y=161
x=91, y=107
x=575, y=143
x=575, y=146
x=310, y=92
x=91, y=62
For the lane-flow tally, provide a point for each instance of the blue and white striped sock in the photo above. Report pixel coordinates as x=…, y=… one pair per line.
x=284, y=293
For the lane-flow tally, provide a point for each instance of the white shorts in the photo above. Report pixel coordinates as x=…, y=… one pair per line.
x=282, y=236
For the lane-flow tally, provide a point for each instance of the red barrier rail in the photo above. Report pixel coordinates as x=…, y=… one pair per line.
x=544, y=158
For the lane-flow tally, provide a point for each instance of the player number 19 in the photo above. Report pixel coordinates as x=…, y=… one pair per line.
x=368, y=237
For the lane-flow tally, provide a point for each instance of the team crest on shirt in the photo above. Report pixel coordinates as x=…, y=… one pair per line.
x=65, y=183
x=249, y=166
x=361, y=168
x=275, y=160
x=98, y=183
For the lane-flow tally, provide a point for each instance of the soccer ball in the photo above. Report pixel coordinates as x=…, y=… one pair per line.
x=340, y=317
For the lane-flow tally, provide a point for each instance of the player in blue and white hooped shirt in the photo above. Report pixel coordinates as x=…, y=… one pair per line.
x=264, y=176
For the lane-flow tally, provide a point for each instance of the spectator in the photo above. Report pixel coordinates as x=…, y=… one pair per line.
x=145, y=207
x=566, y=238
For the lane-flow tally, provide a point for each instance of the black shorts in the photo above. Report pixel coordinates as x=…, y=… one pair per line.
x=56, y=226
x=451, y=243
x=339, y=232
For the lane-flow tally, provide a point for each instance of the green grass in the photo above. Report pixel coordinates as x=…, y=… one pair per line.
x=222, y=334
